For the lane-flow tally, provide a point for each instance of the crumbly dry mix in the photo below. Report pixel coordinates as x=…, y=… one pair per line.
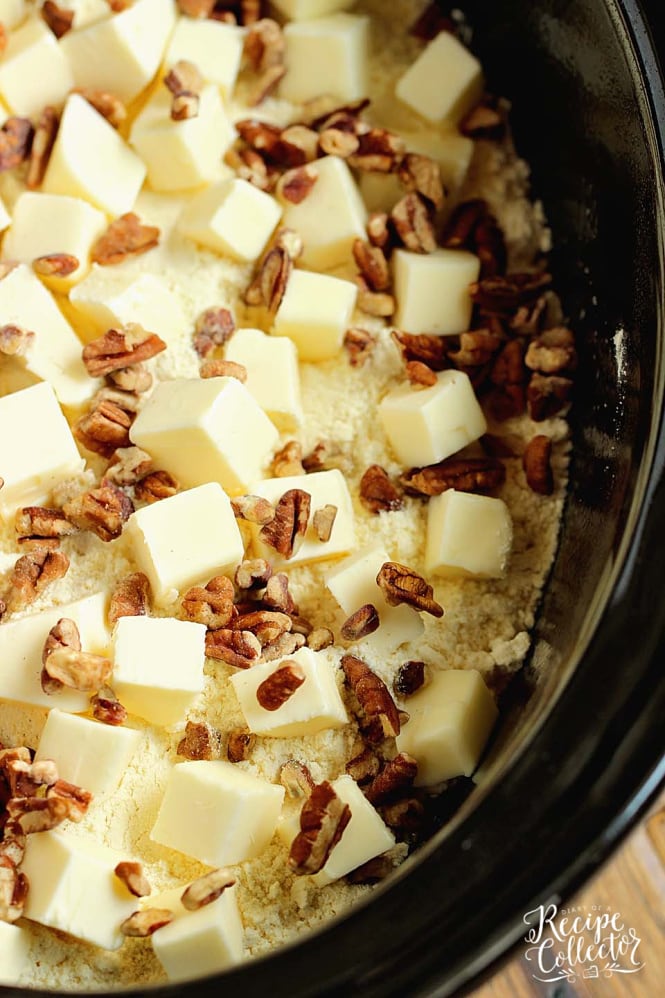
x=486, y=623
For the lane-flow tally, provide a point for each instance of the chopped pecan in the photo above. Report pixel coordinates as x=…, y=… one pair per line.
x=508, y=366
x=338, y=142
x=31, y=575
x=214, y=328
x=266, y=625
x=530, y=319
x=130, y=597
x=372, y=264
x=212, y=605
x=547, y=396
x=55, y=265
x=254, y=509
x=280, y=686
x=13, y=890
x=374, y=870
x=429, y=349
x=59, y=19
x=364, y=621
x=400, y=584
x=25, y=778
x=473, y=474
x=406, y=816
x=42, y=146
x=12, y=845
x=537, y=465
x=323, y=522
x=63, y=634
x=265, y=51
x=327, y=454
x=319, y=638
x=322, y=822
x=214, y=367
x=106, y=104
x=378, y=232
x=237, y=648
x=378, y=150
x=78, y=670
x=135, y=379
x=297, y=145
x=128, y=465
x=40, y=814
x=185, y=83
x=413, y=224
x=552, y=352
x=377, y=492
x=15, y=341
x=201, y=741
x=364, y=766
x=409, y=679
x=253, y=574
x=250, y=166
x=261, y=136
x=360, y=344
x=287, y=530
x=103, y=511
x=77, y=799
x=393, y=780
x=206, y=889
x=15, y=142
x=131, y=344
x=278, y=596
x=36, y=523
x=132, y=876
x=377, y=303
x=422, y=175
x=126, y=236
x=504, y=295
x=484, y=121
x=155, y=486
x=296, y=779
x=105, y=428
x=298, y=183
x=145, y=922
x=291, y=242
x=323, y=116
x=269, y=285
x=419, y=374
x=286, y=644
x=107, y=708
x=476, y=348
x=239, y=745
x=373, y=695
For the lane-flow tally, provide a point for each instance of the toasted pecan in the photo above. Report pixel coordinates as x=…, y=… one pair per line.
x=477, y=474
x=126, y=236
x=130, y=597
x=373, y=695
x=377, y=492
x=286, y=531
x=400, y=584
x=322, y=822
x=537, y=465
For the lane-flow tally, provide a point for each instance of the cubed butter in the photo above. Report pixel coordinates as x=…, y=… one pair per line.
x=217, y=813
x=328, y=55
x=426, y=425
x=132, y=42
x=450, y=721
x=14, y=947
x=33, y=71
x=206, y=430
x=87, y=753
x=330, y=218
x=12, y=12
x=432, y=290
x=445, y=81
x=353, y=584
x=185, y=539
x=182, y=154
x=38, y=452
x=110, y=297
x=315, y=313
x=22, y=643
x=53, y=356
x=273, y=377
x=315, y=705
x=233, y=218
x=73, y=888
x=213, y=47
x=304, y=10
x=326, y=488
x=158, y=666
x=53, y=223
x=197, y=943
x=365, y=836
x=90, y=160
x=467, y=535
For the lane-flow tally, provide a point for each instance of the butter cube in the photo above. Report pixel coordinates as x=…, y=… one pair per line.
x=467, y=535
x=14, y=946
x=185, y=539
x=89, y=158
x=38, y=452
x=214, y=48
x=182, y=154
x=450, y=720
x=54, y=356
x=110, y=297
x=330, y=217
x=328, y=55
x=87, y=753
x=73, y=888
x=314, y=706
x=34, y=71
x=233, y=218
x=22, y=642
x=326, y=488
x=217, y=813
x=445, y=81
x=51, y=223
x=132, y=43
x=432, y=290
x=365, y=836
x=206, y=430
x=303, y=10
x=197, y=943
x=353, y=584
x=158, y=666
x=12, y=12
x=426, y=425
x=273, y=377
x=315, y=313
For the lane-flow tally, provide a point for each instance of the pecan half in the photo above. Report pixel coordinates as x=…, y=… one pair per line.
x=145, y=922
x=118, y=348
x=206, y=889
x=130, y=597
x=253, y=573
x=373, y=695
x=106, y=104
x=31, y=575
x=78, y=670
x=269, y=285
x=201, y=741
x=296, y=779
x=552, y=352
x=46, y=130
x=156, y=486
x=400, y=584
x=287, y=530
x=360, y=624
x=472, y=474
x=126, y=236
x=377, y=492
x=547, y=396
x=372, y=264
x=15, y=142
x=266, y=625
x=64, y=634
x=103, y=511
x=107, y=708
x=211, y=605
x=322, y=822
x=323, y=522
x=280, y=686
x=132, y=876
x=298, y=183
x=413, y=224
x=429, y=349
x=239, y=745
x=423, y=176
x=240, y=649
x=395, y=778
x=409, y=679
x=15, y=341
x=36, y=523
x=419, y=374
x=105, y=428
x=360, y=345
x=213, y=328
x=537, y=465
x=59, y=19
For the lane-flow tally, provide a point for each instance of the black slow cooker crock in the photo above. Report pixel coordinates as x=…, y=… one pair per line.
x=581, y=747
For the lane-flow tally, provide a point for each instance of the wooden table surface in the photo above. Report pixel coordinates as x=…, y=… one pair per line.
x=631, y=883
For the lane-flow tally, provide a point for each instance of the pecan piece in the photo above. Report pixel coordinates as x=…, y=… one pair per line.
x=185, y=83
x=476, y=347
x=237, y=648
x=239, y=745
x=393, y=780
x=31, y=575
x=265, y=51
x=55, y=265
x=103, y=511
x=296, y=779
x=419, y=374
x=280, y=686
x=409, y=679
x=413, y=224
x=213, y=328
x=547, y=396
x=107, y=708
x=360, y=624
x=266, y=625
x=484, y=121
x=145, y=922
x=504, y=295
x=76, y=798
x=429, y=349
x=214, y=367
x=537, y=465
x=128, y=465
x=373, y=695
x=372, y=264
x=64, y=634
x=422, y=175
x=270, y=283
x=254, y=509
x=472, y=474
x=15, y=142
x=277, y=594
x=13, y=890
x=297, y=145
x=130, y=597
x=319, y=638
x=134, y=378
x=322, y=822
x=253, y=574
x=378, y=303
x=36, y=523
x=378, y=150
x=364, y=766
x=118, y=348
x=42, y=146
x=156, y=486
x=286, y=644
x=360, y=344
x=400, y=584
x=15, y=341
x=201, y=741
x=59, y=19
x=378, y=232
x=298, y=183
x=78, y=670
x=132, y=876
x=105, y=429
x=25, y=778
x=323, y=522
x=106, y=104
x=377, y=492
x=206, y=889
x=338, y=142
x=552, y=352
x=287, y=530
x=211, y=605
x=126, y=236
x=39, y=814
x=406, y=816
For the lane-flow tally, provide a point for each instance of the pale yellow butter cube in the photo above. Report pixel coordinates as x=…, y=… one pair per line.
x=315, y=313
x=326, y=488
x=109, y=297
x=12, y=12
x=304, y=10
x=185, y=539
x=365, y=836
x=217, y=813
x=330, y=218
x=427, y=425
x=315, y=705
x=38, y=452
x=450, y=721
x=468, y=535
x=87, y=753
x=53, y=223
x=158, y=666
x=445, y=81
x=328, y=55
x=91, y=161
x=273, y=377
x=14, y=947
x=432, y=290
x=213, y=47
x=206, y=430
x=73, y=888
x=22, y=643
x=53, y=356
x=233, y=218
x=182, y=154
x=33, y=71
x=197, y=943
x=131, y=43
x=353, y=584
